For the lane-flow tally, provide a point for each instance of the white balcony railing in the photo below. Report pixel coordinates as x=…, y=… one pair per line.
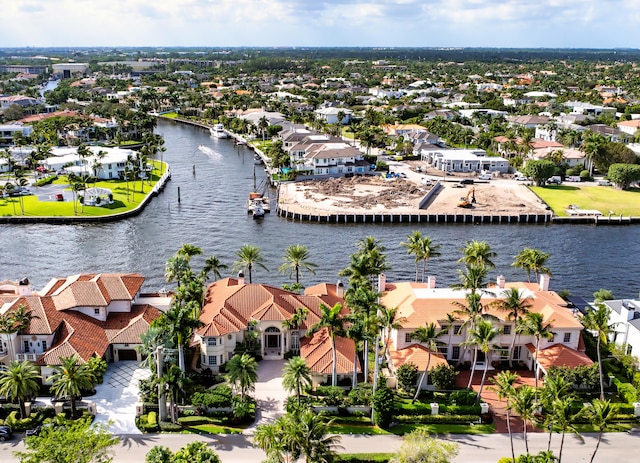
x=29, y=356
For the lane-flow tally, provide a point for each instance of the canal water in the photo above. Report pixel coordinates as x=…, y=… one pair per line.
x=215, y=177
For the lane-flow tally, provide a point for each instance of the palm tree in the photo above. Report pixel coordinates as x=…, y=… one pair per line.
x=554, y=388
x=176, y=268
x=428, y=335
x=478, y=254
x=188, y=250
x=515, y=307
x=70, y=378
x=481, y=338
x=363, y=302
x=597, y=321
x=248, y=257
x=565, y=418
x=333, y=322
x=296, y=376
x=504, y=388
x=180, y=323
x=532, y=260
x=313, y=437
x=296, y=258
x=277, y=440
x=20, y=381
x=15, y=322
x=173, y=381
x=263, y=125
x=242, y=373
x=357, y=332
x=422, y=248
x=533, y=325
x=524, y=404
x=601, y=414
x=389, y=321
x=213, y=264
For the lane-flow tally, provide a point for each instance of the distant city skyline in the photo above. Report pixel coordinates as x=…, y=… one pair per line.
x=321, y=23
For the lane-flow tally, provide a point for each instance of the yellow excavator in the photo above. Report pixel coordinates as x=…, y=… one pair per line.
x=468, y=200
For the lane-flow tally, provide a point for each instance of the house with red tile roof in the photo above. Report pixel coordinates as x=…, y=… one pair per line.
x=235, y=312
x=89, y=315
x=420, y=304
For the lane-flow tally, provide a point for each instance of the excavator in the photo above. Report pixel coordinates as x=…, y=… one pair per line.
x=469, y=200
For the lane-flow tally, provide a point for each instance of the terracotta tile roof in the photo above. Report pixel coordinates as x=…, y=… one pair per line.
x=126, y=328
x=229, y=306
x=318, y=355
x=418, y=355
x=559, y=355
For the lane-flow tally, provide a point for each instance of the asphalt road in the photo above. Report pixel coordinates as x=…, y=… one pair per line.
x=488, y=448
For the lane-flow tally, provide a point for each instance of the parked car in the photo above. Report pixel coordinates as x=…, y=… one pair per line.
x=37, y=430
x=555, y=180
x=485, y=177
x=521, y=178
x=6, y=433
x=466, y=181
x=604, y=183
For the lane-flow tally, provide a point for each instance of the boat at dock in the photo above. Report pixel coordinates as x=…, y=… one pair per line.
x=258, y=204
x=218, y=131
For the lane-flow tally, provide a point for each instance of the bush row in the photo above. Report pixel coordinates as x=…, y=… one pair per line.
x=426, y=419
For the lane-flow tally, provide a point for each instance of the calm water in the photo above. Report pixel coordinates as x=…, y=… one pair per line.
x=212, y=214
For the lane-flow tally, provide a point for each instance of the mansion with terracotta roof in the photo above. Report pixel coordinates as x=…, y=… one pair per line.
x=101, y=315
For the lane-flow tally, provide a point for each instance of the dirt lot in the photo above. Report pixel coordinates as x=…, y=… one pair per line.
x=358, y=195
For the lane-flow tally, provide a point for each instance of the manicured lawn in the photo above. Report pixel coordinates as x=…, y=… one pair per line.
x=170, y=115
x=33, y=207
x=618, y=427
x=212, y=429
x=364, y=429
x=380, y=457
x=442, y=429
x=601, y=198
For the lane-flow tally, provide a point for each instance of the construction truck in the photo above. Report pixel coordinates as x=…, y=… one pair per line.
x=468, y=200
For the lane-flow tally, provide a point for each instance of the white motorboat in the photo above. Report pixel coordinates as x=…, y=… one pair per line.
x=218, y=131
x=258, y=201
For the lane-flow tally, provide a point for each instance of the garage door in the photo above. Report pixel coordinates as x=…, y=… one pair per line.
x=127, y=354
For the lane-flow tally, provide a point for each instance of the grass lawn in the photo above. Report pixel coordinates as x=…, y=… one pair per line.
x=601, y=198
x=212, y=429
x=444, y=428
x=33, y=207
x=617, y=427
x=382, y=457
x=364, y=429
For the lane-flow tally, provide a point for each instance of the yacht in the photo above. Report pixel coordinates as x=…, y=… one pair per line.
x=218, y=131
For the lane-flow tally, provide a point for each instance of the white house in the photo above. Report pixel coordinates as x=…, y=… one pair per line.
x=625, y=318
x=8, y=131
x=330, y=115
x=110, y=166
x=465, y=161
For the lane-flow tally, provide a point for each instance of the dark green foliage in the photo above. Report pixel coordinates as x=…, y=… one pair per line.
x=213, y=398
x=407, y=375
x=626, y=391
x=383, y=404
x=244, y=408
x=443, y=377
x=539, y=171
x=332, y=395
x=463, y=397
x=361, y=394
x=363, y=458
x=167, y=426
x=580, y=377
x=46, y=181
x=623, y=175
x=437, y=418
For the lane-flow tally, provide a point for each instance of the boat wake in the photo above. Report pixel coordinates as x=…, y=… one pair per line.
x=210, y=152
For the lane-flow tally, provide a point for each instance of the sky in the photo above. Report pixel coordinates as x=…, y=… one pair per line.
x=321, y=23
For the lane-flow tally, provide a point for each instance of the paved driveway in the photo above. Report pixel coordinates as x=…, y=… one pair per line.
x=117, y=396
x=270, y=395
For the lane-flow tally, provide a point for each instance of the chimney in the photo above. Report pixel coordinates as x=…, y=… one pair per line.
x=500, y=281
x=339, y=289
x=24, y=287
x=431, y=281
x=544, y=282
x=628, y=311
x=240, y=278
x=382, y=282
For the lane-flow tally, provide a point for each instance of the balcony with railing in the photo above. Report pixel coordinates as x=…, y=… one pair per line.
x=30, y=356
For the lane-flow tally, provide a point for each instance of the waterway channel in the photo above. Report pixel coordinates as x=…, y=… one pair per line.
x=215, y=176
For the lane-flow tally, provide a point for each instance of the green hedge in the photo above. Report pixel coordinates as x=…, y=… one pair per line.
x=167, y=426
x=193, y=420
x=428, y=419
x=45, y=181
x=363, y=457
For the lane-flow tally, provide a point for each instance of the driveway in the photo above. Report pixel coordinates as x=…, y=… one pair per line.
x=117, y=396
x=270, y=395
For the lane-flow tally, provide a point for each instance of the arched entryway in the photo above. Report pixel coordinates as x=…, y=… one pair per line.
x=272, y=342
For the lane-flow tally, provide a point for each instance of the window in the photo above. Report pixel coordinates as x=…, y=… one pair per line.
x=567, y=337
x=44, y=345
x=213, y=360
x=96, y=311
x=212, y=341
x=455, y=353
x=504, y=354
x=221, y=359
x=26, y=346
x=506, y=329
x=517, y=352
x=407, y=337
x=457, y=329
x=443, y=350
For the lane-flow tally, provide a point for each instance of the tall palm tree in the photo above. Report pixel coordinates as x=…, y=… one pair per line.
x=533, y=325
x=248, y=257
x=428, y=335
x=242, y=373
x=70, y=378
x=481, y=337
x=356, y=330
x=213, y=264
x=188, y=250
x=524, y=404
x=532, y=260
x=597, y=321
x=478, y=254
x=333, y=322
x=423, y=248
x=180, y=323
x=296, y=258
x=277, y=440
x=296, y=376
x=601, y=414
x=20, y=381
x=516, y=307
x=14, y=322
x=564, y=417
x=315, y=442
x=389, y=320
x=554, y=388
x=503, y=386
x=363, y=302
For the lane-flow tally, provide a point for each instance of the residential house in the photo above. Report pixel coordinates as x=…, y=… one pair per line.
x=527, y=122
x=112, y=165
x=236, y=313
x=8, y=131
x=20, y=100
x=572, y=157
x=624, y=316
x=464, y=160
x=629, y=127
x=422, y=303
x=579, y=107
x=610, y=133
x=89, y=315
x=330, y=115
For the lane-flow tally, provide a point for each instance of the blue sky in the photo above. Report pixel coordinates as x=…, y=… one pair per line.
x=412, y=23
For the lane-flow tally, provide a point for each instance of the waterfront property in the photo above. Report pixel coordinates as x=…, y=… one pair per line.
x=465, y=160
x=90, y=315
x=624, y=316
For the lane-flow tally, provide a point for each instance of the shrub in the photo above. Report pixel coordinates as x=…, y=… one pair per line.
x=45, y=181
x=443, y=377
x=167, y=426
x=570, y=172
x=383, y=404
x=361, y=394
x=217, y=397
x=193, y=420
x=152, y=418
x=244, y=408
x=407, y=375
x=584, y=175
x=463, y=397
x=428, y=419
x=626, y=391
x=332, y=395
